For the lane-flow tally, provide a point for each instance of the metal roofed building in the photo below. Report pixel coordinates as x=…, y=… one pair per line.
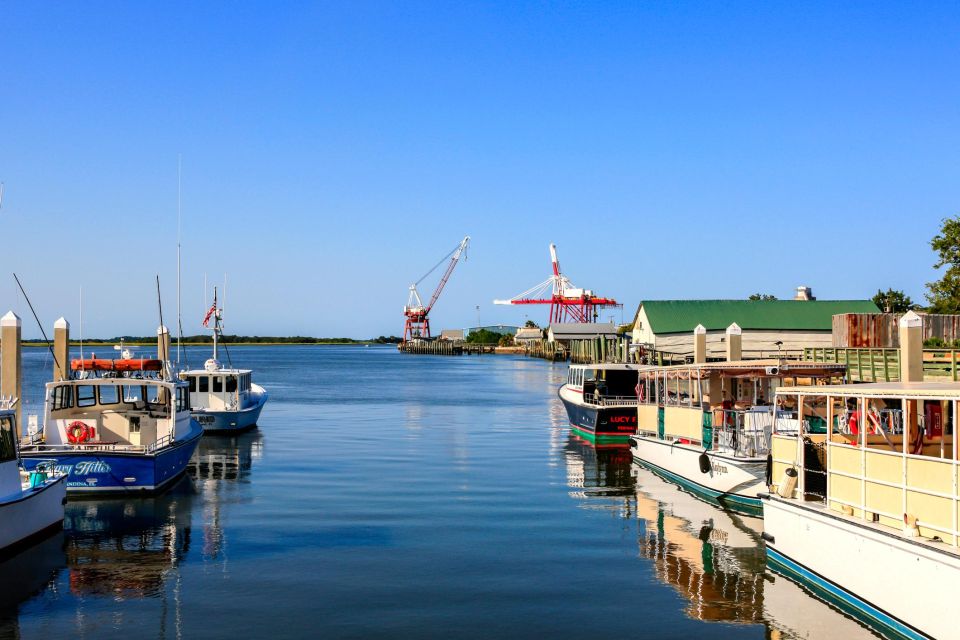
x=566, y=331
x=528, y=334
x=667, y=325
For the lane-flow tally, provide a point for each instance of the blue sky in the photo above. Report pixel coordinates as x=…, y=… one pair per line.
x=333, y=152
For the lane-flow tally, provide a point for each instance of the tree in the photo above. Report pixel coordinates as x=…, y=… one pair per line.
x=530, y=324
x=893, y=301
x=762, y=296
x=944, y=295
x=506, y=340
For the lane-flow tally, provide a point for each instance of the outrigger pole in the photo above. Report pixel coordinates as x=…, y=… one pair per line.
x=42, y=332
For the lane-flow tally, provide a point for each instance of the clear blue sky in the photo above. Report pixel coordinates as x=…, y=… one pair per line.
x=333, y=152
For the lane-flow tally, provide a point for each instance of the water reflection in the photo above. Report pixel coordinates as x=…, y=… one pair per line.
x=26, y=574
x=126, y=548
x=225, y=457
x=713, y=558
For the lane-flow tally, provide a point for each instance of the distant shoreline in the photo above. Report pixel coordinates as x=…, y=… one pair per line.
x=94, y=343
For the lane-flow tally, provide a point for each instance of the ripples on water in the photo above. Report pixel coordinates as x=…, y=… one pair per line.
x=389, y=495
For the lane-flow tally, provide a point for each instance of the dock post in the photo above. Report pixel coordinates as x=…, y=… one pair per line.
x=734, y=343
x=700, y=344
x=911, y=348
x=61, y=350
x=11, y=361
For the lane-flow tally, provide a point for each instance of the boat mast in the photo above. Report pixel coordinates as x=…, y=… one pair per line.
x=216, y=322
x=179, y=209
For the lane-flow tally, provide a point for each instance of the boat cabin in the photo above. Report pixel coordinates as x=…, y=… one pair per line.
x=883, y=453
x=725, y=407
x=115, y=412
x=604, y=383
x=219, y=389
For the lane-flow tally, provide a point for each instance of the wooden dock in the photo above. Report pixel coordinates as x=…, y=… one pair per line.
x=446, y=348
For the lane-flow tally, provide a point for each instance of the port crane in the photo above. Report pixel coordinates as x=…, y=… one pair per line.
x=568, y=303
x=417, y=323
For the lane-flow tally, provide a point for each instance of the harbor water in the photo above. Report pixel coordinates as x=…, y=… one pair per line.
x=390, y=495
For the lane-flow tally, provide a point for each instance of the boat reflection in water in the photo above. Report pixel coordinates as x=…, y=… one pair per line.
x=714, y=559
x=218, y=465
x=126, y=548
x=26, y=574
x=225, y=457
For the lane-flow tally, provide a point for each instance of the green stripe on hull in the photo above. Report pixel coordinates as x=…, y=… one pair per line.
x=602, y=438
x=740, y=504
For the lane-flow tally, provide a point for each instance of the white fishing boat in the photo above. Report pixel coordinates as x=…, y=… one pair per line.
x=707, y=426
x=223, y=399
x=865, y=513
x=31, y=502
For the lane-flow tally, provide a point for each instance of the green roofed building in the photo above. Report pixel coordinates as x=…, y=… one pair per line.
x=667, y=325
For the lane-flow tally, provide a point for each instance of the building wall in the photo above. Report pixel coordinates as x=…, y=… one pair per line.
x=753, y=342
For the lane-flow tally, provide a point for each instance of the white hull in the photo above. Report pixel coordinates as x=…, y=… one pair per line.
x=238, y=420
x=31, y=512
x=732, y=482
x=898, y=584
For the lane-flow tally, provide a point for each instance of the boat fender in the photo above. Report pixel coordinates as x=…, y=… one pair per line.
x=788, y=484
x=769, y=469
x=704, y=463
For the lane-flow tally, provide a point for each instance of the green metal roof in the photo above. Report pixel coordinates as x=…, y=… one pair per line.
x=682, y=316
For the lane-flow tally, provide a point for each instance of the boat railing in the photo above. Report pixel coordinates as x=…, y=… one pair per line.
x=83, y=447
x=742, y=433
x=159, y=443
x=610, y=401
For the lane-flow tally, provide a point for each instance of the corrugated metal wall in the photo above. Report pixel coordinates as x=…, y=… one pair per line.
x=880, y=330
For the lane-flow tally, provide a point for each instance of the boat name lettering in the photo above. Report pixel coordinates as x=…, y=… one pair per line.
x=84, y=467
x=622, y=419
x=718, y=468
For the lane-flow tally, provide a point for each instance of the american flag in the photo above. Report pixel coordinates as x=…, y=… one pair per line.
x=206, y=318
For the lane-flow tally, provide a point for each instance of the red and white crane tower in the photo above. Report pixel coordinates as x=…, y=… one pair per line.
x=568, y=303
x=417, y=323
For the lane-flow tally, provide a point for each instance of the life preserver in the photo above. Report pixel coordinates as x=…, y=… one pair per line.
x=78, y=432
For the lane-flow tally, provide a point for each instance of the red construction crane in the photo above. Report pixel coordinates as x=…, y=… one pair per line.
x=417, y=324
x=567, y=302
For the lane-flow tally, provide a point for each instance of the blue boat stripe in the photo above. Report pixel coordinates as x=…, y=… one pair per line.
x=874, y=614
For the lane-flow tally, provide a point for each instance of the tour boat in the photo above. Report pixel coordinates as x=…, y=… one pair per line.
x=864, y=512
x=120, y=426
x=707, y=426
x=223, y=399
x=601, y=402
x=31, y=503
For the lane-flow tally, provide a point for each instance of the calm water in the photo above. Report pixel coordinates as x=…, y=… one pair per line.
x=388, y=495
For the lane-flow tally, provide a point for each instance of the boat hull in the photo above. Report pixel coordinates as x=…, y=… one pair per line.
x=231, y=421
x=96, y=473
x=730, y=483
x=897, y=585
x=599, y=425
x=31, y=515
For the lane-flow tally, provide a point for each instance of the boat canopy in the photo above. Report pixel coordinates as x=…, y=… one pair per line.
x=769, y=368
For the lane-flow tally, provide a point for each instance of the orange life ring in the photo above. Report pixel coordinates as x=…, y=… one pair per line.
x=78, y=432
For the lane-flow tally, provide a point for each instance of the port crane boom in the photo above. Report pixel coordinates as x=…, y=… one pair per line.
x=417, y=323
x=568, y=303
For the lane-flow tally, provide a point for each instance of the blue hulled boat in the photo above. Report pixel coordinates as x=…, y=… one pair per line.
x=116, y=426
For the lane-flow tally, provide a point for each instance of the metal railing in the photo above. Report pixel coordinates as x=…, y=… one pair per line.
x=742, y=433
x=883, y=365
x=610, y=401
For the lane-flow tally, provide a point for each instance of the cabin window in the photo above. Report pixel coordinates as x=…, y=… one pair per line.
x=154, y=394
x=132, y=395
x=181, y=398
x=231, y=384
x=246, y=382
x=192, y=381
x=86, y=395
x=62, y=397
x=217, y=384
x=109, y=394
x=134, y=424
x=8, y=440
x=204, y=384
